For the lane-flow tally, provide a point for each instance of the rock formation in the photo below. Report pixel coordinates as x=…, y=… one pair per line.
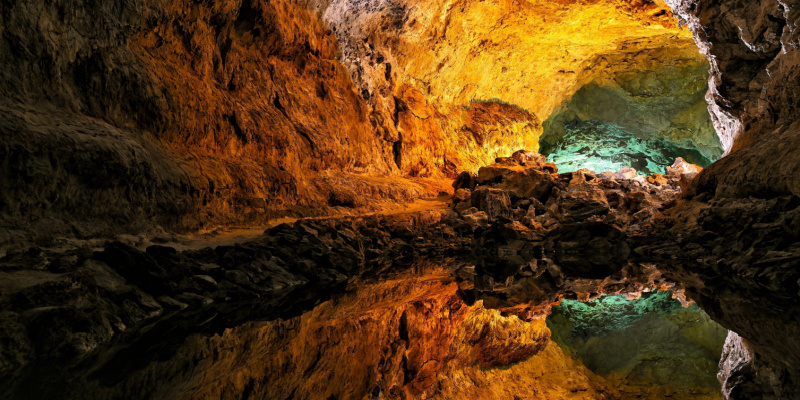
x=123, y=124
x=115, y=318
x=193, y=115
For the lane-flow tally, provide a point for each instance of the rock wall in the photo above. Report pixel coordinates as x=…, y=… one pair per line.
x=736, y=231
x=184, y=114
x=435, y=59
x=663, y=96
x=192, y=115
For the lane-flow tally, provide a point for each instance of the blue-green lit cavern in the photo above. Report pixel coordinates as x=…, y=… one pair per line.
x=638, y=119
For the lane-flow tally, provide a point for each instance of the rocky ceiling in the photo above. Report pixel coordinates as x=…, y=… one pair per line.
x=234, y=112
x=428, y=62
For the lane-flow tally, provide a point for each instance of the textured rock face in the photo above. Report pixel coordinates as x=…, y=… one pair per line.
x=637, y=118
x=184, y=113
x=425, y=304
x=117, y=117
x=235, y=112
x=737, y=231
x=533, y=55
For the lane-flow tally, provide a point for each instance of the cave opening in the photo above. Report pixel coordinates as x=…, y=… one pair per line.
x=639, y=118
x=652, y=343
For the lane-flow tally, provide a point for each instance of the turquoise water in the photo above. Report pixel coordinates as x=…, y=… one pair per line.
x=601, y=147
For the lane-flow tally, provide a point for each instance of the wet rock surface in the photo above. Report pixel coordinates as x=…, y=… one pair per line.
x=147, y=114
x=538, y=235
x=736, y=234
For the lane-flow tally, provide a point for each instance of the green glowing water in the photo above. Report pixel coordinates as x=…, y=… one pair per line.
x=601, y=146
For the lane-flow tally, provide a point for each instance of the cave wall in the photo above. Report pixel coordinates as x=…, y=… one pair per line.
x=737, y=230
x=532, y=56
x=752, y=48
x=192, y=115
x=183, y=114
x=653, y=342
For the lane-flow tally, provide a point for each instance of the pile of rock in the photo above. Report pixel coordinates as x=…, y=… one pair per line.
x=538, y=234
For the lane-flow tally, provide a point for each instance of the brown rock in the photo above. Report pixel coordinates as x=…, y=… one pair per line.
x=465, y=180
x=462, y=195
x=524, y=157
x=495, y=202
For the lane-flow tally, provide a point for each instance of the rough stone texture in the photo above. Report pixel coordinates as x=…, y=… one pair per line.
x=205, y=113
x=743, y=375
x=539, y=236
x=420, y=64
x=184, y=114
x=219, y=113
x=736, y=258
x=736, y=234
x=667, y=101
x=437, y=300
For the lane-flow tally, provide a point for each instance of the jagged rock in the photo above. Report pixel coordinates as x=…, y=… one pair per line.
x=579, y=202
x=137, y=268
x=495, y=202
x=744, y=376
x=626, y=173
x=682, y=173
x=525, y=157
x=477, y=219
x=657, y=179
x=465, y=180
x=462, y=195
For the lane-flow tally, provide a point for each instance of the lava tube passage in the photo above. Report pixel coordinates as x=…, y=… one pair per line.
x=642, y=119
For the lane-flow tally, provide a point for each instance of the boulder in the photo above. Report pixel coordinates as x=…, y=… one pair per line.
x=464, y=180
x=682, y=173
x=495, y=202
x=525, y=157
x=461, y=195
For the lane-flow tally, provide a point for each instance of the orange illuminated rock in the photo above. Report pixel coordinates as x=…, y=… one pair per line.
x=426, y=62
x=217, y=113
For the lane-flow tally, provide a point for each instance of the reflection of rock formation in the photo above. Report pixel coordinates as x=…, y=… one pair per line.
x=651, y=342
x=734, y=242
x=121, y=116
x=127, y=316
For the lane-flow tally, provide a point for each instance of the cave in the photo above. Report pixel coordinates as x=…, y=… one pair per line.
x=642, y=119
x=385, y=199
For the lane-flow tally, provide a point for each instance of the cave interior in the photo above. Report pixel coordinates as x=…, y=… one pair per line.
x=397, y=199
